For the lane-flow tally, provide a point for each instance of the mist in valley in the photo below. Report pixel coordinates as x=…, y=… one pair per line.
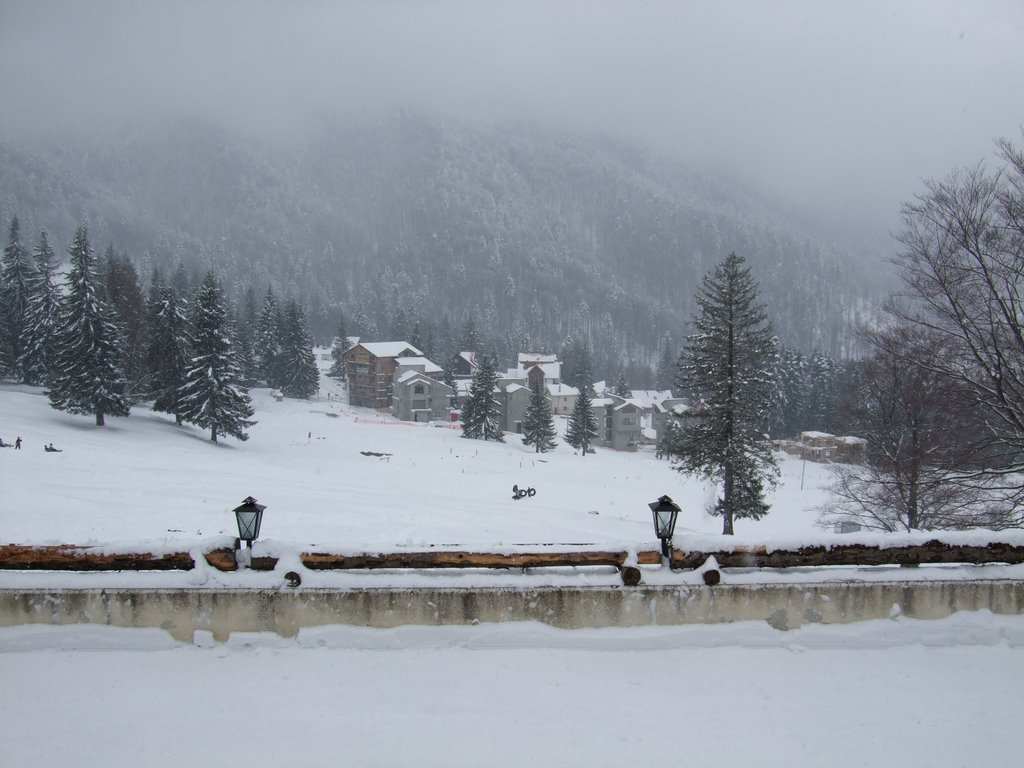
x=543, y=169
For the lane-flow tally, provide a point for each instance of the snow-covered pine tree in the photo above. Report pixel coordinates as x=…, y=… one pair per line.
x=338, y=350
x=124, y=295
x=480, y=415
x=449, y=379
x=16, y=279
x=581, y=431
x=727, y=366
x=621, y=387
x=538, y=424
x=168, y=352
x=87, y=376
x=38, y=337
x=668, y=437
x=666, y=374
x=213, y=396
x=267, y=343
x=243, y=322
x=297, y=364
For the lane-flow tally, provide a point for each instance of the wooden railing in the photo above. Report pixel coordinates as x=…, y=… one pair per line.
x=85, y=558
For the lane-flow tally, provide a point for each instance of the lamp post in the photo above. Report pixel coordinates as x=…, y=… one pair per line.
x=665, y=513
x=249, y=516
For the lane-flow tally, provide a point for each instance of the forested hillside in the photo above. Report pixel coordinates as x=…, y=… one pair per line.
x=416, y=228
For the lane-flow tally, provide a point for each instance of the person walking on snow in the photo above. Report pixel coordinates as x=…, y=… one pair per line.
x=17, y=443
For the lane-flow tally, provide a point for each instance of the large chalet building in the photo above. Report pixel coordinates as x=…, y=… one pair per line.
x=370, y=371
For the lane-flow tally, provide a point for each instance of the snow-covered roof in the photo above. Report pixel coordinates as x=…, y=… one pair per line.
x=532, y=358
x=390, y=348
x=428, y=365
x=649, y=398
x=851, y=440
x=562, y=390
x=410, y=376
x=601, y=402
x=812, y=434
x=510, y=388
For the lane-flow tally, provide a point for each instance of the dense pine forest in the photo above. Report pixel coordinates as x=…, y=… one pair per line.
x=409, y=227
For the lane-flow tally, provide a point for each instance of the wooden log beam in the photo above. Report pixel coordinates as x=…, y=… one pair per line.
x=67, y=557
x=931, y=552
x=319, y=561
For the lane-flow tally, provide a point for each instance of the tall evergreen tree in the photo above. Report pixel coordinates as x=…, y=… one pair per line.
x=577, y=365
x=621, y=387
x=665, y=378
x=480, y=415
x=245, y=337
x=124, y=295
x=581, y=431
x=16, y=280
x=822, y=393
x=538, y=424
x=38, y=337
x=469, y=334
x=792, y=392
x=727, y=365
x=213, y=396
x=267, y=343
x=168, y=349
x=338, y=350
x=87, y=376
x=297, y=363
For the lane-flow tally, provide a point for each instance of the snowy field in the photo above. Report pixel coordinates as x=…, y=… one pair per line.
x=144, y=479
x=898, y=692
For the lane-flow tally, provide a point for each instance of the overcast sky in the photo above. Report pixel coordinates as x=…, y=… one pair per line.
x=828, y=106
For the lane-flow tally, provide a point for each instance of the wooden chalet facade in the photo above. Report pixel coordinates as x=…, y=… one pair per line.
x=370, y=371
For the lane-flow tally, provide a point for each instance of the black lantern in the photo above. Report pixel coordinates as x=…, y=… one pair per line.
x=665, y=512
x=249, y=515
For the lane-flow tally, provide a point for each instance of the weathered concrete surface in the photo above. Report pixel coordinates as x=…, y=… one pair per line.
x=223, y=611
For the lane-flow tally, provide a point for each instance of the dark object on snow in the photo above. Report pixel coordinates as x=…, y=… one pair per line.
x=630, y=576
x=292, y=579
x=50, y=449
x=519, y=493
x=712, y=577
x=17, y=443
x=375, y=453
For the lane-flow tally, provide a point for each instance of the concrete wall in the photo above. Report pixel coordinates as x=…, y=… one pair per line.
x=222, y=611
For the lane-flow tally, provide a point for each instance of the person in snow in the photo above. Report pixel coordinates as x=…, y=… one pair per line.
x=50, y=449
x=17, y=443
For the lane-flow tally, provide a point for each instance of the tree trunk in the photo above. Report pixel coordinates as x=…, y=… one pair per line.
x=213, y=434
x=99, y=418
x=727, y=518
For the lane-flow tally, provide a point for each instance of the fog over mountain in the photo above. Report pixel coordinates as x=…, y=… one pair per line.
x=613, y=147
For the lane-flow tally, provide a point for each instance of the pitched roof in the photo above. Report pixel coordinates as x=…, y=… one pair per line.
x=429, y=366
x=389, y=348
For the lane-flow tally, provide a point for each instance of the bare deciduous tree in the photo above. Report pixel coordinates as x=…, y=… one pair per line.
x=925, y=447
x=963, y=265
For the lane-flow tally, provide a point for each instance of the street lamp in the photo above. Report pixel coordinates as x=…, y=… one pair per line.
x=665, y=512
x=249, y=515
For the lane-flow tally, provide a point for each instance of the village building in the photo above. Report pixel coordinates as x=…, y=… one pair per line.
x=463, y=364
x=418, y=394
x=370, y=371
x=823, y=447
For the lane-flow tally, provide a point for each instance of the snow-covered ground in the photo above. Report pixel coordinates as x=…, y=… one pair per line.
x=938, y=693
x=144, y=479
x=884, y=693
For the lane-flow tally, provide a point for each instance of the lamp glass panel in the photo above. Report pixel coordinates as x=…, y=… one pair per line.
x=248, y=523
x=664, y=521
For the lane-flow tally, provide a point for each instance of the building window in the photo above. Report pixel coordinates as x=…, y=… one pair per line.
x=628, y=421
x=418, y=389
